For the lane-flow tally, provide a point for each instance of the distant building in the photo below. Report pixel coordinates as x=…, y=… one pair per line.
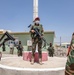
x=25, y=36
x=3, y=31
x=65, y=45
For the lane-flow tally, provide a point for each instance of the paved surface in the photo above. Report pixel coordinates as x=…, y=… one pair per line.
x=18, y=62
x=15, y=61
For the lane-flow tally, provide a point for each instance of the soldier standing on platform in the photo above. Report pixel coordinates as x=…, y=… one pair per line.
x=36, y=39
x=50, y=50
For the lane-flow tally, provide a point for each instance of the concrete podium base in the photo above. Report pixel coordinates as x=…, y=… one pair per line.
x=14, y=65
x=9, y=71
x=27, y=56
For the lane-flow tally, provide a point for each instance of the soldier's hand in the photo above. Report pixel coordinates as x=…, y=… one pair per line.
x=32, y=31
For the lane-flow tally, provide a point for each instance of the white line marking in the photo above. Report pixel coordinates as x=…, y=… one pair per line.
x=29, y=69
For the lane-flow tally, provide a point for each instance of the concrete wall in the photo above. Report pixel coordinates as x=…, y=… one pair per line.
x=24, y=36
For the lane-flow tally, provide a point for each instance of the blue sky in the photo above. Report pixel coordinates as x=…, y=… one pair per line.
x=55, y=15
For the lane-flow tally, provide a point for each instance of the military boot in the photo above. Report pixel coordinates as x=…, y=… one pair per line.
x=40, y=61
x=32, y=61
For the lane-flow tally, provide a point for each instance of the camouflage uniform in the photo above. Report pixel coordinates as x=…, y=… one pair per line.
x=69, y=68
x=36, y=40
x=50, y=51
x=20, y=49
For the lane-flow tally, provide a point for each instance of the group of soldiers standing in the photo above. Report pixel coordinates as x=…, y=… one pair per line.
x=18, y=46
x=36, y=39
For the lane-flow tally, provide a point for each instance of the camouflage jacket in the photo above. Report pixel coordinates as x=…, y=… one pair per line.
x=50, y=48
x=39, y=27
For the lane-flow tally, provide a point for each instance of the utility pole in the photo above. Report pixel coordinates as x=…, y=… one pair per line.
x=35, y=14
x=60, y=40
x=35, y=9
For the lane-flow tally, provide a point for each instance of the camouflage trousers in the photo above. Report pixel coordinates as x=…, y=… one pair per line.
x=51, y=53
x=19, y=52
x=34, y=43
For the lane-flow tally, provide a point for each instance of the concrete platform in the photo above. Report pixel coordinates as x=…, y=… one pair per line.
x=27, y=56
x=15, y=65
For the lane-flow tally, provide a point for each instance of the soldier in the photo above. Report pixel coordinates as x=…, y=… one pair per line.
x=20, y=49
x=11, y=45
x=50, y=50
x=36, y=39
x=3, y=47
x=69, y=68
